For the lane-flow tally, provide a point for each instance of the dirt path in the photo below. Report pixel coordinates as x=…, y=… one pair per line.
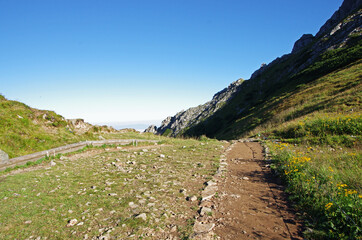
x=250, y=203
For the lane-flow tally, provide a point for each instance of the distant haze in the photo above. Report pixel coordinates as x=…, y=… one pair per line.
x=138, y=125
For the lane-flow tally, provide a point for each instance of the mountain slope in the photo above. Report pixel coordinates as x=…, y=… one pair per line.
x=261, y=102
x=173, y=126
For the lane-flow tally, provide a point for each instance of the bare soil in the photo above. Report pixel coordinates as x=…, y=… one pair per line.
x=251, y=203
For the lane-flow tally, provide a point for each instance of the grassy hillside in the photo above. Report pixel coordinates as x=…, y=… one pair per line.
x=331, y=85
x=25, y=130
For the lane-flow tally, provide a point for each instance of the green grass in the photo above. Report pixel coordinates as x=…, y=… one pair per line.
x=341, y=130
x=325, y=183
x=40, y=202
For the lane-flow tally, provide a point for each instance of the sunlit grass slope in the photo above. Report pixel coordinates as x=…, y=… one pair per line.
x=25, y=130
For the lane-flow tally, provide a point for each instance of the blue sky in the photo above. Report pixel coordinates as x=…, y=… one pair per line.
x=141, y=60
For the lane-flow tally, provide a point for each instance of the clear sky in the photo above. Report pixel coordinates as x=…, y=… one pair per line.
x=141, y=60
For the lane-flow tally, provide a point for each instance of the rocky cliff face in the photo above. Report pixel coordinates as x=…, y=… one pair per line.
x=172, y=126
x=347, y=8
x=343, y=28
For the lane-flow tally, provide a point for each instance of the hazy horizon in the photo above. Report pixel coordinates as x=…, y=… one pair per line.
x=137, y=125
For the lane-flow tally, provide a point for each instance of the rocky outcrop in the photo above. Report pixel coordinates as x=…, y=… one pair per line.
x=4, y=157
x=346, y=9
x=302, y=42
x=78, y=125
x=335, y=33
x=172, y=126
x=151, y=129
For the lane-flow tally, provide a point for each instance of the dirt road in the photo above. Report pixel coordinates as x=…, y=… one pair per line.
x=250, y=203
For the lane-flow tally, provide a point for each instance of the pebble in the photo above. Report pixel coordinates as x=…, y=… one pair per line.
x=192, y=198
x=205, y=210
x=143, y=216
x=72, y=222
x=132, y=205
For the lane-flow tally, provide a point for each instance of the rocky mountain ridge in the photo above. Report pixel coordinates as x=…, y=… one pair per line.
x=340, y=31
x=173, y=126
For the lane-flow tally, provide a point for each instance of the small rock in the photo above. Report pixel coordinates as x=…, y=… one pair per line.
x=52, y=163
x=245, y=178
x=210, y=183
x=72, y=222
x=205, y=210
x=183, y=191
x=28, y=222
x=173, y=229
x=112, y=194
x=143, y=216
x=162, y=156
x=132, y=205
x=4, y=157
x=192, y=198
x=200, y=227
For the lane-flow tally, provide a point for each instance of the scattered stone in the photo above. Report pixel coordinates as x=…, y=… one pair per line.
x=210, y=183
x=208, y=192
x=173, y=229
x=205, y=210
x=112, y=194
x=143, y=216
x=162, y=156
x=72, y=222
x=52, y=163
x=132, y=205
x=245, y=178
x=80, y=224
x=183, y=191
x=201, y=227
x=4, y=157
x=192, y=198
x=28, y=222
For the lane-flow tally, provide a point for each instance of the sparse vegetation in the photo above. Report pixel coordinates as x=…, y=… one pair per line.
x=106, y=188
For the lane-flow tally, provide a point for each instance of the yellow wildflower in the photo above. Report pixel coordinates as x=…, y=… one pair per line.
x=328, y=205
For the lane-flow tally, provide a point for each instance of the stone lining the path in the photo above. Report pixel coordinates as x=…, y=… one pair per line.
x=203, y=228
